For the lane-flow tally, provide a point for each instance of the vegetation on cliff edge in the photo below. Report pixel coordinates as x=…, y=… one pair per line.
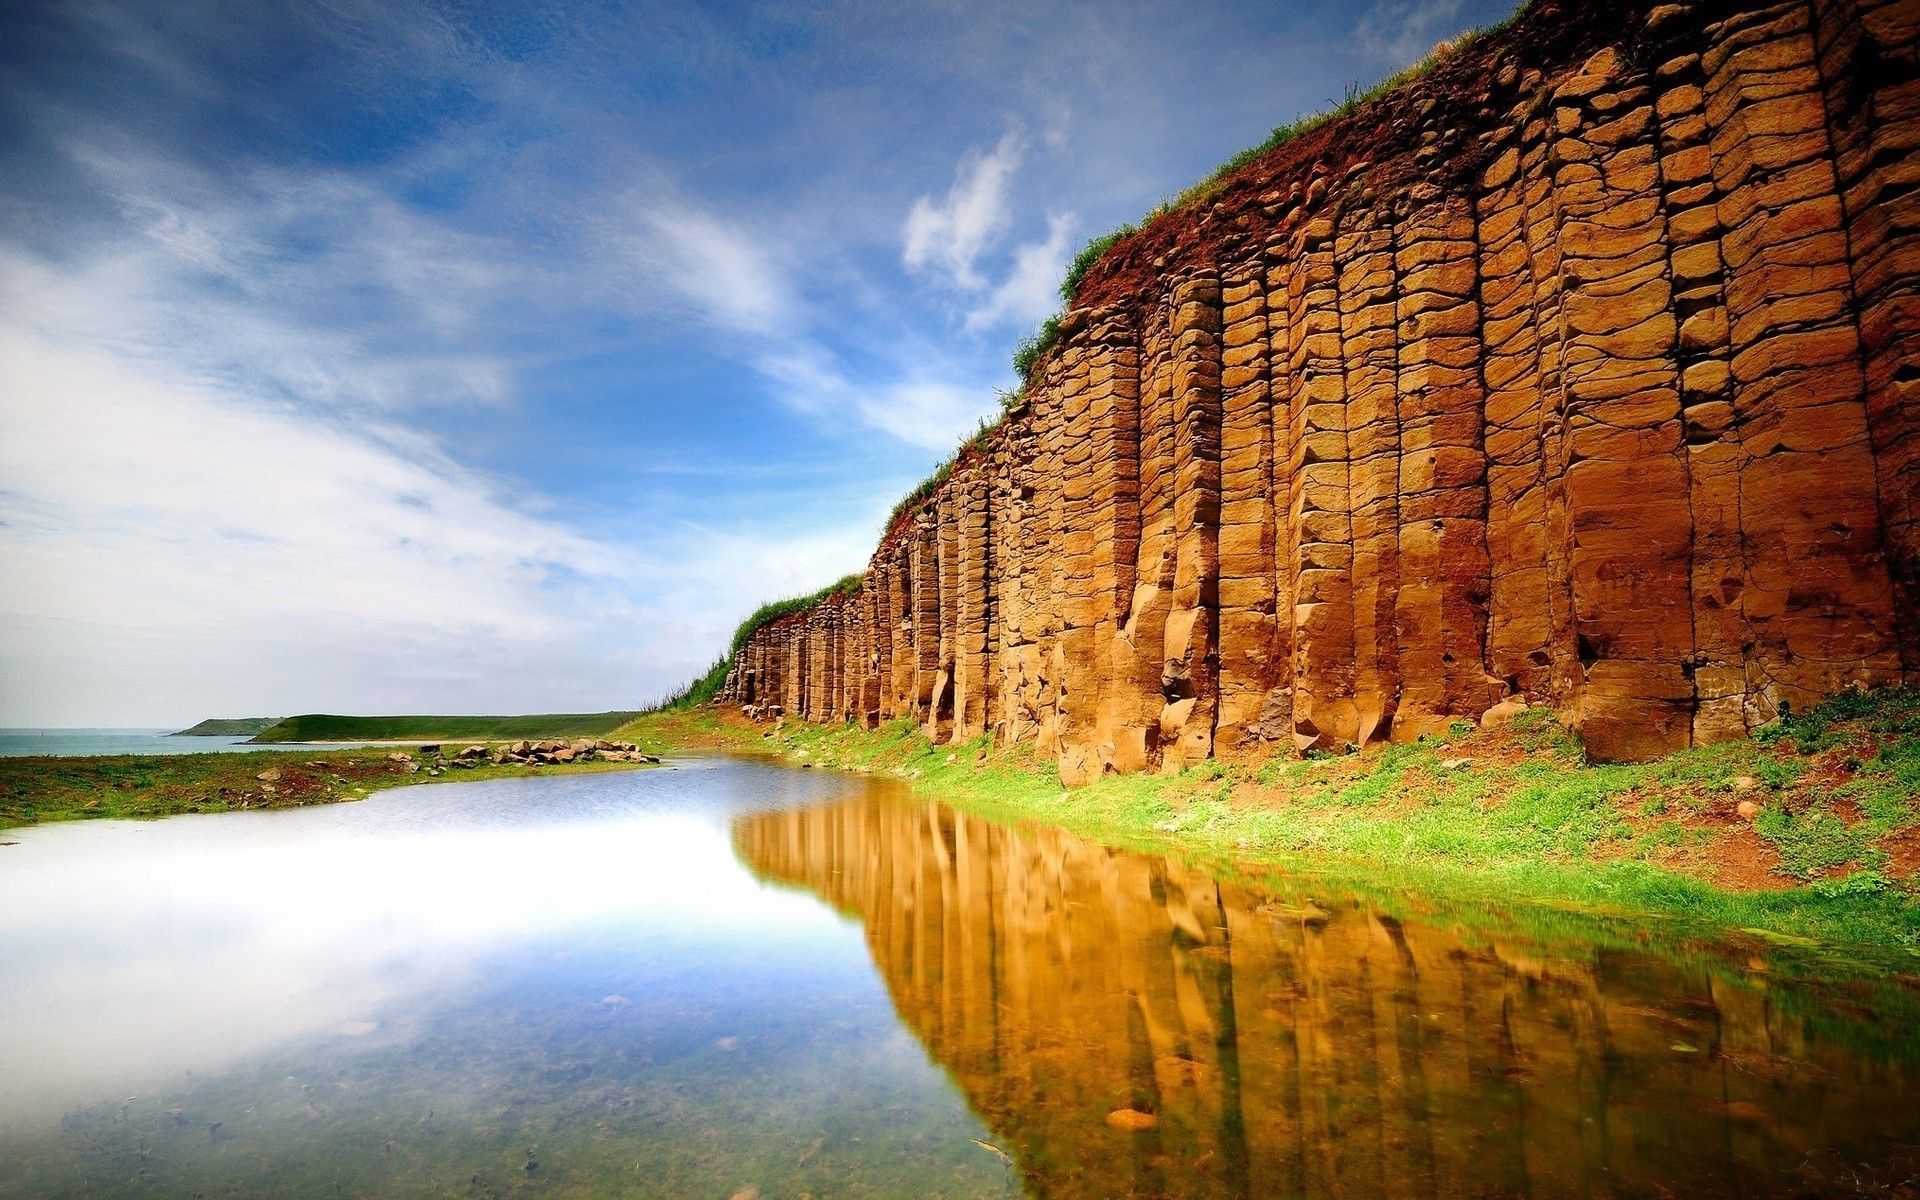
x=707, y=686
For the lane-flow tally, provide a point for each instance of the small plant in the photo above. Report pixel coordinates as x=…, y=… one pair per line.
x=1027, y=354
x=1811, y=843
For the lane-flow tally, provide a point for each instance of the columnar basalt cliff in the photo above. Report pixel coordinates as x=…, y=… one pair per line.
x=1581, y=371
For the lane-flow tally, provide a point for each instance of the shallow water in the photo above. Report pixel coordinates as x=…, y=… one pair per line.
x=733, y=975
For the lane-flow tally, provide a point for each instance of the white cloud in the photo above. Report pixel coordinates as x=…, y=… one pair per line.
x=1031, y=289
x=175, y=544
x=1404, y=31
x=951, y=235
x=742, y=288
x=315, y=286
x=721, y=267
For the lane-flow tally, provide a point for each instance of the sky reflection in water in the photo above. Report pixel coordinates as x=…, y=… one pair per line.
x=733, y=975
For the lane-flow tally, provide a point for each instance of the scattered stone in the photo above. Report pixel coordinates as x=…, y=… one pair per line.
x=1749, y=810
x=1503, y=713
x=1132, y=1120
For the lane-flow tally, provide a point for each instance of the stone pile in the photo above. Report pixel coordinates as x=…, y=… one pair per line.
x=1582, y=371
x=526, y=753
x=554, y=751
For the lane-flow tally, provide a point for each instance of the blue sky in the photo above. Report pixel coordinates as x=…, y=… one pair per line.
x=389, y=356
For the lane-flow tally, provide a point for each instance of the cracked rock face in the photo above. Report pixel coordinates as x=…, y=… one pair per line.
x=1582, y=371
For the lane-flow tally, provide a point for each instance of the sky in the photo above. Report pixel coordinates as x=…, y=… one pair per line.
x=396, y=356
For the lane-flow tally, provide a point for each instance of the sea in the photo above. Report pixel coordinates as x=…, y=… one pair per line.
x=18, y=743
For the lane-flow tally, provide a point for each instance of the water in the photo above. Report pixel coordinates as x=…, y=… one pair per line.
x=19, y=743
x=735, y=976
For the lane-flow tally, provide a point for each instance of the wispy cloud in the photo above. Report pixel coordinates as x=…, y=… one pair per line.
x=726, y=271
x=1403, y=31
x=950, y=235
x=1031, y=289
x=909, y=390
x=949, y=239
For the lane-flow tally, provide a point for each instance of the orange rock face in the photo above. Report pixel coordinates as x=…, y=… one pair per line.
x=1583, y=371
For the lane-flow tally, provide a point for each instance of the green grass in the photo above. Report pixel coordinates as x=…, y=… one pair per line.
x=1511, y=815
x=36, y=790
x=229, y=727
x=325, y=727
x=707, y=686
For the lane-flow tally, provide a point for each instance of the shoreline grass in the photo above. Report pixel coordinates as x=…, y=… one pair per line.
x=1826, y=862
x=41, y=790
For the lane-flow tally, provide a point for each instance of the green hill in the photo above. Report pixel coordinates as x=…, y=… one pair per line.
x=325, y=727
x=229, y=727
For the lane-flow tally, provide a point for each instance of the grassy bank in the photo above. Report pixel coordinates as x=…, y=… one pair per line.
x=229, y=727
x=1810, y=833
x=325, y=727
x=41, y=789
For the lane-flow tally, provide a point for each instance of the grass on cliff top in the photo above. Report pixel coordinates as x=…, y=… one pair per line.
x=1511, y=813
x=36, y=790
x=1032, y=349
x=706, y=687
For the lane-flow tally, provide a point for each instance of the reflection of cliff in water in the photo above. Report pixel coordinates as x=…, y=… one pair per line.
x=1289, y=1046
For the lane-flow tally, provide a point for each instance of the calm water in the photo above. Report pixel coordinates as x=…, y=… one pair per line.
x=18, y=743
x=735, y=976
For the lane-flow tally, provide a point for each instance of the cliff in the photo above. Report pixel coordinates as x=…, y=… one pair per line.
x=1580, y=370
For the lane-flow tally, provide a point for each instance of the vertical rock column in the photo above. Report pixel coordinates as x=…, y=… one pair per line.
x=1248, y=665
x=900, y=695
x=1140, y=649
x=1441, y=610
x=1520, y=626
x=1627, y=487
x=1017, y=582
x=973, y=597
x=1818, y=602
x=793, y=630
x=925, y=624
x=1369, y=288
x=873, y=632
x=1324, y=715
x=947, y=558
x=1276, y=709
x=1080, y=602
x=1113, y=412
x=1714, y=456
x=1870, y=66
x=1189, y=677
